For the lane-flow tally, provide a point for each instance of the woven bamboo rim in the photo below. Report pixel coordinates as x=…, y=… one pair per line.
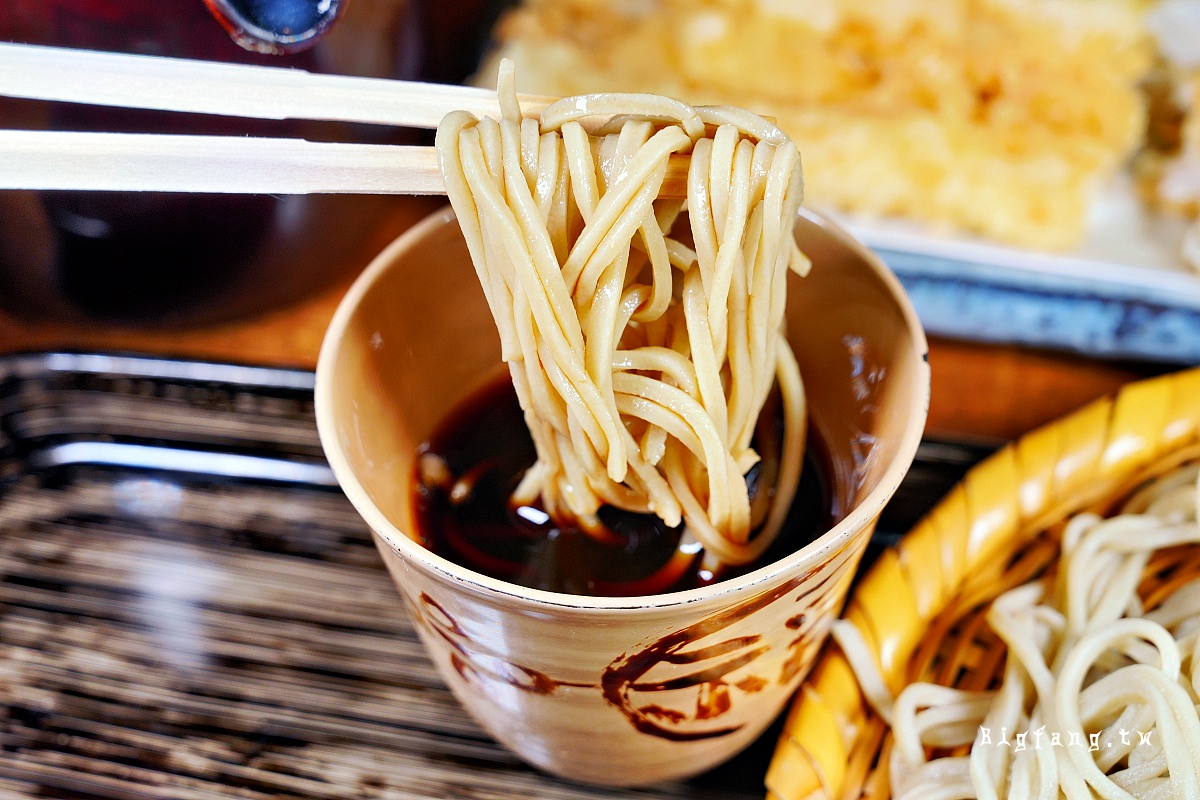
x=920, y=606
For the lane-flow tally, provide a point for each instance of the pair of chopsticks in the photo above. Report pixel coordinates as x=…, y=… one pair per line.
x=193, y=163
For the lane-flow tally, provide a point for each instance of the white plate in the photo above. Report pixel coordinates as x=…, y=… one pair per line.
x=1124, y=293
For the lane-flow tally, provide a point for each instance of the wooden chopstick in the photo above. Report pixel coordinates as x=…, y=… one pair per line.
x=222, y=164
x=46, y=160
x=237, y=90
x=228, y=164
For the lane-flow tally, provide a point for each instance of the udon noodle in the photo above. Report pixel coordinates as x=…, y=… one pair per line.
x=643, y=335
x=1099, y=695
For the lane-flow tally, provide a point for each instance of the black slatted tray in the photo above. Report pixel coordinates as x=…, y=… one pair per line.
x=190, y=609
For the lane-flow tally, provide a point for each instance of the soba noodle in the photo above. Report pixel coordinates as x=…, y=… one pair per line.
x=1098, y=697
x=643, y=335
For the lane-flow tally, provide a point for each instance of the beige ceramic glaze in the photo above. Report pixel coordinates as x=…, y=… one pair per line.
x=615, y=690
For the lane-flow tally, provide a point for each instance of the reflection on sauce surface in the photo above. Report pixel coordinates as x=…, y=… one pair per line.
x=470, y=468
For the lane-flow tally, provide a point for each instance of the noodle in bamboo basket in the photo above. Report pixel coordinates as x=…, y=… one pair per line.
x=1034, y=635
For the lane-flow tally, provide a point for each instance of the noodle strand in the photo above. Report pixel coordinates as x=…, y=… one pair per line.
x=644, y=335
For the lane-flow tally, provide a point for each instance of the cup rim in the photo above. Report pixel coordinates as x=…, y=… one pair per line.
x=832, y=540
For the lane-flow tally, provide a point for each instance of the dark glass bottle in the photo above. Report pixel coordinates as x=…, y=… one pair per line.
x=172, y=259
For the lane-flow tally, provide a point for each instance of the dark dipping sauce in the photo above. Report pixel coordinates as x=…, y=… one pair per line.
x=486, y=448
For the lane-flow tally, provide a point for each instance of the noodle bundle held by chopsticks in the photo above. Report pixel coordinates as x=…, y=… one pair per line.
x=643, y=335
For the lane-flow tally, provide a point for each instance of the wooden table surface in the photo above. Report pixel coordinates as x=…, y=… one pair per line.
x=978, y=390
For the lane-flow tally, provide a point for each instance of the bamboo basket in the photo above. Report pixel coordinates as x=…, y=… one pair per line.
x=920, y=606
